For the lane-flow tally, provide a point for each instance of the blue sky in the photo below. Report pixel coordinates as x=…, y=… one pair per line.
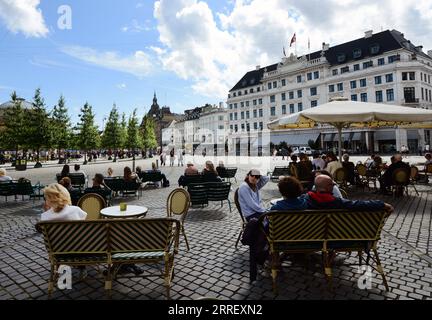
x=190, y=52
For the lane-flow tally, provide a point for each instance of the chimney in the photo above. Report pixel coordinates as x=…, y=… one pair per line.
x=430, y=53
x=368, y=34
x=257, y=67
x=419, y=48
x=325, y=46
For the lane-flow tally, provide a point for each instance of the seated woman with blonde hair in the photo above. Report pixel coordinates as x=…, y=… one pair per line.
x=58, y=205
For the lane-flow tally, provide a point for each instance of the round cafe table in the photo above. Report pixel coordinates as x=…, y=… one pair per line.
x=131, y=212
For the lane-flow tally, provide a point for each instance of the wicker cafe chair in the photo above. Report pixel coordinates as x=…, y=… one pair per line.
x=178, y=203
x=243, y=225
x=362, y=175
x=341, y=177
x=92, y=203
x=400, y=181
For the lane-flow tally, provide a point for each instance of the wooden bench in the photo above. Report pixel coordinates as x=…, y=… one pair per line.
x=112, y=243
x=202, y=193
x=325, y=231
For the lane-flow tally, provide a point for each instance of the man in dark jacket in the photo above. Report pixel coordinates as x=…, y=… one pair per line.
x=387, y=177
x=322, y=198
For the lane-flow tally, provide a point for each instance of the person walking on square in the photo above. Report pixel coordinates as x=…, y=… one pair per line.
x=180, y=158
x=172, y=157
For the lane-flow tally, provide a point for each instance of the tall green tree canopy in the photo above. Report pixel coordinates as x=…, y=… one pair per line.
x=148, y=133
x=132, y=140
x=123, y=131
x=39, y=129
x=12, y=136
x=61, y=125
x=111, y=138
x=88, y=135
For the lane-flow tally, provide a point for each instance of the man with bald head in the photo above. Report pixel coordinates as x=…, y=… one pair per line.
x=386, y=179
x=322, y=198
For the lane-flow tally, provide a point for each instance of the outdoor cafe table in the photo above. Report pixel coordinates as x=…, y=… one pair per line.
x=131, y=212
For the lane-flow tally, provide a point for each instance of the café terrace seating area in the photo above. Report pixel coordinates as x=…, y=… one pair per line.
x=187, y=240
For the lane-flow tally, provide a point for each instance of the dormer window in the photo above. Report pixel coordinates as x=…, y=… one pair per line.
x=244, y=83
x=374, y=49
x=357, y=53
x=252, y=81
x=341, y=57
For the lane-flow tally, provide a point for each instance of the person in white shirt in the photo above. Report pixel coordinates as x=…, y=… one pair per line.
x=3, y=176
x=333, y=164
x=58, y=205
x=318, y=163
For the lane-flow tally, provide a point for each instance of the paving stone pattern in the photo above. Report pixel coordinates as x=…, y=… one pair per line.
x=214, y=267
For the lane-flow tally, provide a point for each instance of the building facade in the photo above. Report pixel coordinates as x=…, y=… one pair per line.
x=382, y=68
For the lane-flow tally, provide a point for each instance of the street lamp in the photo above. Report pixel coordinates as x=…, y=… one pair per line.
x=248, y=133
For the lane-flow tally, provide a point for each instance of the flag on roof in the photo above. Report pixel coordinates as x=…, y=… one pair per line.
x=293, y=39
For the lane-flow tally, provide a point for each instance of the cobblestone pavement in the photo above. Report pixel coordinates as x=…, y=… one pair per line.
x=214, y=267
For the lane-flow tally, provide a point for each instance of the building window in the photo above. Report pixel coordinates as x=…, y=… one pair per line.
x=421, y=77
x=374, y=49
x=283, y=82
x=299, y=93
x=247, y=103
x=381, y=61
x=331, y=88
x=314, y=103
x=239, y=93
x=261, y=113
x=258, y=89
x=390, y=95
x=422, y=93
x=234, y=94
x=379, y=96
x=243, y=127
x=341, y=57
x=363, y=97
x=340, y=86
x=235, y=116
x=231, y=117
x=235, y=105
x=300, y=106
x=255, y=126
x=316, y=75
x=221, y=127
x=241, y=104
x=356, y=67
x=291, y=95
x=363, y=83
x=255, y=113
x=313, y=91
x=231, y=127
x=259, y=101
x=389, y=77
x=283, y=96
x=309, y=76
x=254, y=102
x=357, y=53
x=231, y=106
x=292, y=108
x=242, y=115
x=274, y=84
x=367, y=64
x=345, y=69
x=251, y=90
x=272, y=111
x=236, y=128
x=412, y=76
x=284, y=109
x=378, y=80
x=353, y=97
x=247, y=114
x=272, y=99
x=261, y=126
x=245, y=92
x=394, y=58
x=353, y=84
x=409, y=95
x=269, y=85
x=335, y=72
x=299, y=79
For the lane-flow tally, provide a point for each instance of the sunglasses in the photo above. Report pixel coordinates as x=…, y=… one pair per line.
x=256, y=177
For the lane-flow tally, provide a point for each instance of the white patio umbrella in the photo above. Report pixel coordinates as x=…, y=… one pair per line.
x=342, y=113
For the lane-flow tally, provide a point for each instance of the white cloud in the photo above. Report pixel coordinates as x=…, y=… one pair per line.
x=137, y=64
x=214, y=50
x=122, y=86
x=136, y=27
x=23, y=16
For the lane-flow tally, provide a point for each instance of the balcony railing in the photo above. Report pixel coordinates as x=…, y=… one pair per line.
x=411, y=101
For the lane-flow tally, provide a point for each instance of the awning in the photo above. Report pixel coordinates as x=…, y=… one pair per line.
x=356, y=136
x=385, y=135
x=345, y=136
x=296, y=139
x=329, y=137
x=412, y=135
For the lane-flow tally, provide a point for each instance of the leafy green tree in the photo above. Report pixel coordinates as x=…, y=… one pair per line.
x=148, y=133
x=132, y=140
x=123, y=131
x=111, y=136
x=12, y=135
x=87, y=135
x=61, y=125
x=39, y=127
